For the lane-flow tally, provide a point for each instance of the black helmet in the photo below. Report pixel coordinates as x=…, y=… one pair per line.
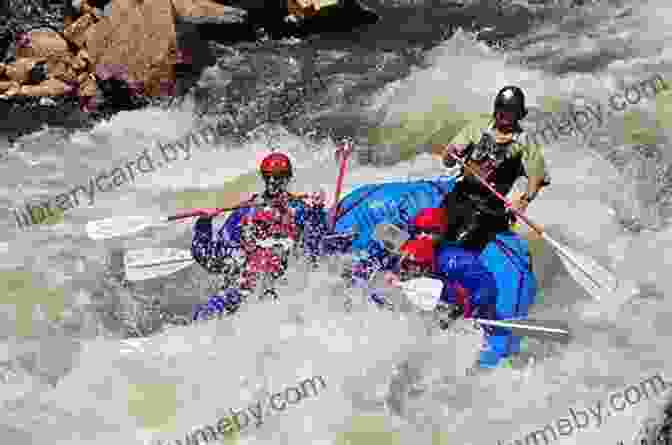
x=511, y=98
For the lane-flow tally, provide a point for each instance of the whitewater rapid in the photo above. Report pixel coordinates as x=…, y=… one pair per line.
x=388, y=379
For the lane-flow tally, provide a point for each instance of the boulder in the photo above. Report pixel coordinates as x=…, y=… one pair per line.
x=46, y=88
x=77, y=32
x=62, y=68
x=42, y=44
x=142, y=37
x=87, y=84
x=8, y=85
x=19, y=71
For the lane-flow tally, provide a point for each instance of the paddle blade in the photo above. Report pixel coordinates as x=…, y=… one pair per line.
x=424, y=292
x=542, y=329
x=145, y=264
x=118, y=226
x=391, y=236
x=595, y=279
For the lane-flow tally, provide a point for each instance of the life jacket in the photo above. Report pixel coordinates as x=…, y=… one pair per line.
x=501, y=166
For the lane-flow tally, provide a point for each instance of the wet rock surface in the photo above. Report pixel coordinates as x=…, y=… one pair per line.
x=314, y=78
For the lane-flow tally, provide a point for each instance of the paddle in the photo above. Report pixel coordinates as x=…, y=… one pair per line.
x=591, y=276
x=145, y=264
x=118, y=226
x=344, y=153
x=425, y=293
x=544, y=329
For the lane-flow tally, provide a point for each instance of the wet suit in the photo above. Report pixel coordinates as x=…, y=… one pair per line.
x=476, y=214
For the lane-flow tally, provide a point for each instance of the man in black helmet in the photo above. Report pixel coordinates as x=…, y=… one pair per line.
x=495, y=148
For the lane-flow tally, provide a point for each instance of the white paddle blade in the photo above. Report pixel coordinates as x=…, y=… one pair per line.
x=118, y=226
x=425, y=293
x=145, y=264
x=156, y=271
x=391, y=236
x=595, y=279
x=543, y=329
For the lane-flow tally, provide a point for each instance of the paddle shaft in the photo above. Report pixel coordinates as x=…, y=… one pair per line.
x=161, y=263
x=521, y=324
x=345, y=154
x=243, y=205
x=192, y=213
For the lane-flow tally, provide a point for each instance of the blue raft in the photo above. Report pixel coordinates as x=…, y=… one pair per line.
x=507, y=257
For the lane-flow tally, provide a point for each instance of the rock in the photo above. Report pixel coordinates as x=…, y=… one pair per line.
x=43, y=44
x=88, y=85
x=62, y=69
x=141, y=36
x=20, y=70
x=308, y=8
x=49, y=87
x=9, y=86
x=76, y=31
x=334, y=17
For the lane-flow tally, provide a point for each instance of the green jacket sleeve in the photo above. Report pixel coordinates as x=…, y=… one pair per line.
x=533, y=159
x=470, y=133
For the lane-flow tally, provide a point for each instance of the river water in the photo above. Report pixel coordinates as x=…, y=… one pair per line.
x=389, y=379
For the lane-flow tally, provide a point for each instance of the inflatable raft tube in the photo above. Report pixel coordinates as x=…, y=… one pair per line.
x=507, y=257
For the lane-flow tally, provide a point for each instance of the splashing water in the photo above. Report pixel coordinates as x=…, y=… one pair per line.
x=386, y=372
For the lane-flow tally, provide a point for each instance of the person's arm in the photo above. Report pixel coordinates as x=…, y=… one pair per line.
x=311, y=224
x=473, y=284
x=202, y=244
x=207, y=250
x=535, y=168
x=534, y=185
x=458, y=145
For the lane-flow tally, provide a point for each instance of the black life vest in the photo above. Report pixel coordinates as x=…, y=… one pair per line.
x=507, y=167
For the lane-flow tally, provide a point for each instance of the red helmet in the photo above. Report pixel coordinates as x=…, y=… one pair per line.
x=276, y=164
x=433, y=220
x=419, y=251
